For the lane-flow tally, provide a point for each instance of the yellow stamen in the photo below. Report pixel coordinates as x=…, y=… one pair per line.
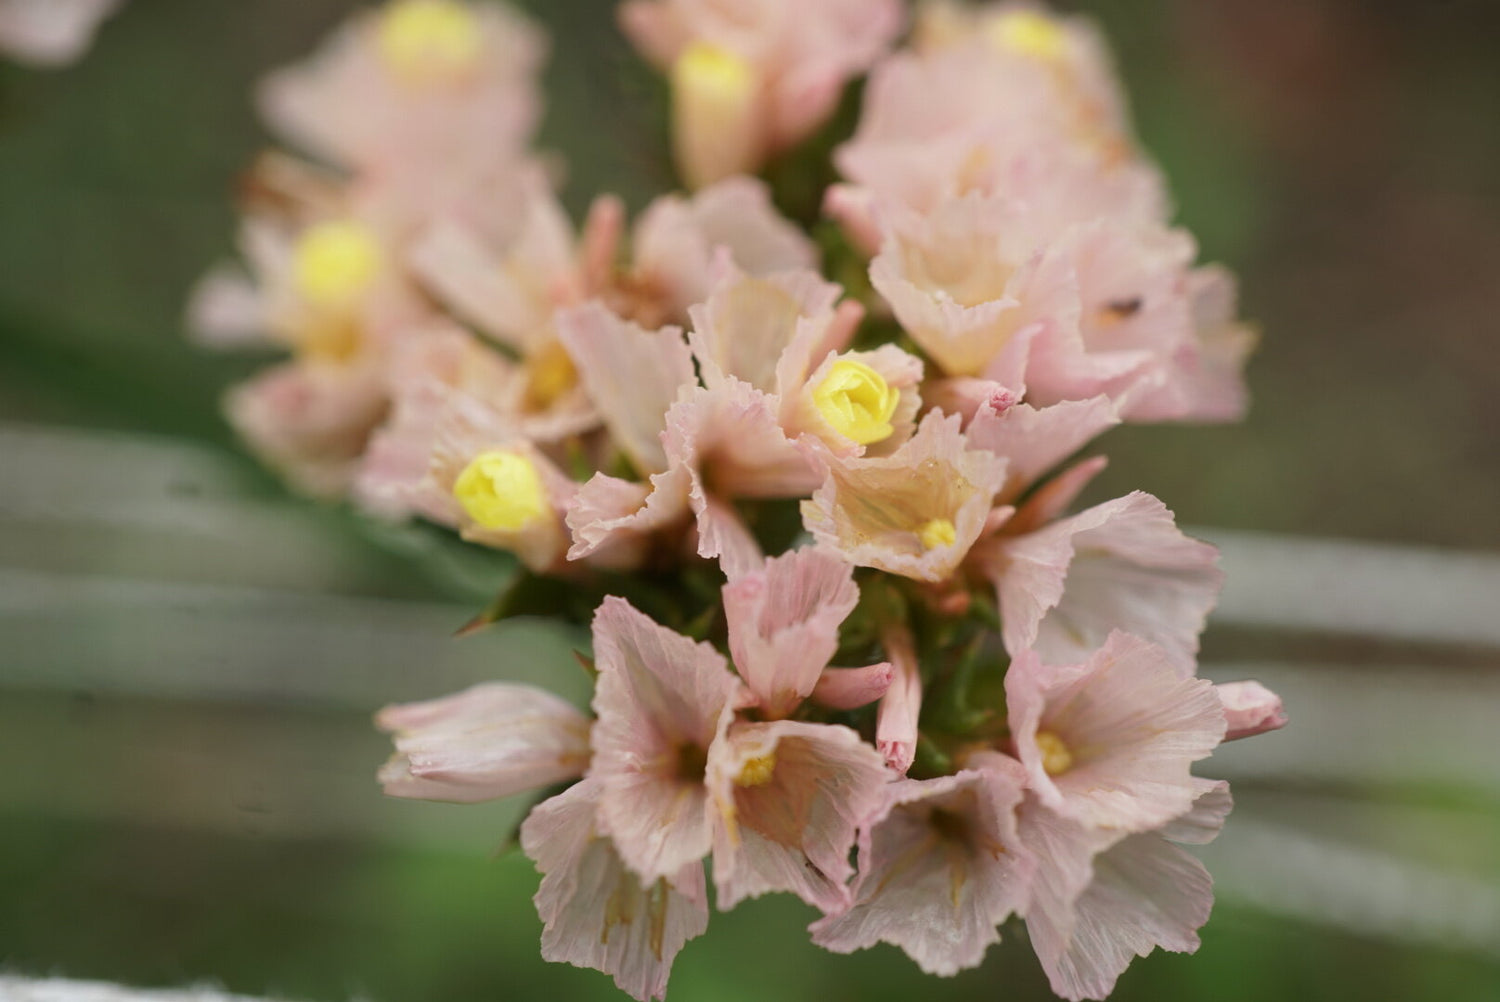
x=550, y=374
x=503, y=491
x=1029, y=33
x=857, y=402
x=430, y=41
x=936, y=533
x=335, y=263
x=1056, y=758
x=757, y=771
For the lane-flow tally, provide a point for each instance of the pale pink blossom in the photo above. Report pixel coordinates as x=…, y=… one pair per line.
x=1250, y=709
x=509, y=275
x=632, y=376
x=915, y=512
x=784, y=334
x=489, y=741
x=416, y=89
x=753, y=80
x=961, y=280
x=660, y=700
x=938, y=872
x=51, y=32
x=468, y=443
x=959, y=119
x=1121, y=565
x=309, y=422
x=901, y=704
x=1102, y=900
x=1035, y=441
x=595, y=911
x=678, y=239
x=784, y=624
x=330, y=288
x=1110, y=742
x=791, y=797
x=428, y=373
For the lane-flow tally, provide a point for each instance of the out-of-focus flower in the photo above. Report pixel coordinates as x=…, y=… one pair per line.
x=51, y=32
x=753, y=78
x=418, y=92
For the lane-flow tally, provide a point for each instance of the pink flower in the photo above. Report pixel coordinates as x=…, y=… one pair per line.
x=309, y=422
x=1120, y=565
x=428, y=373
x=1110, y=742
x=486, y=742
x=1101, y=900
x=784, y=624
x=50, y=32
x=1035, y=441
x=678, y=239
x=752, y=81
x=595, y=911
x=939, y=870
x=967, y=118
x=1250, y=709
x=633, y=376
x=430, y=90
x=784, y=336
x=915, y=512
x=661, y=699
x=791, y=798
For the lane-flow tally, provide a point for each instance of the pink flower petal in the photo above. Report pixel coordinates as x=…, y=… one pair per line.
x=660, y=700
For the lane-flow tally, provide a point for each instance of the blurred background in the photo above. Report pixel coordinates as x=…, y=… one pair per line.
x=189, y=656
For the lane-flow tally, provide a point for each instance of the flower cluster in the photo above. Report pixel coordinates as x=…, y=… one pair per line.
x=847, y=641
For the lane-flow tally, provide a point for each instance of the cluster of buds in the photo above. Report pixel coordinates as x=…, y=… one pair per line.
x=847, y=640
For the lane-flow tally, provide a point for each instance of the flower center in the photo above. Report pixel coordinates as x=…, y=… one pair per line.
x=937, y=532
x=1056, y=758
x=430, y=41
x=550, y=374
x=705, y=70
x=502, y=490
x=335, y=263
x=757, y=771
x=857, y=402
x=1029, y=33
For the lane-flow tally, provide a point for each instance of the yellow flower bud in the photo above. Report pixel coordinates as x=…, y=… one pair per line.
x=857, y=402
x=936, y=533
x=1056, y=758
x=1030, y=33
x=429, y=41
x=335, y=263
x=502, y=491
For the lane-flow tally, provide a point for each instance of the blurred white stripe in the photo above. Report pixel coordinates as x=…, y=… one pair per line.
x=1289, y=872
x=13, y=989
x=1365, y=589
